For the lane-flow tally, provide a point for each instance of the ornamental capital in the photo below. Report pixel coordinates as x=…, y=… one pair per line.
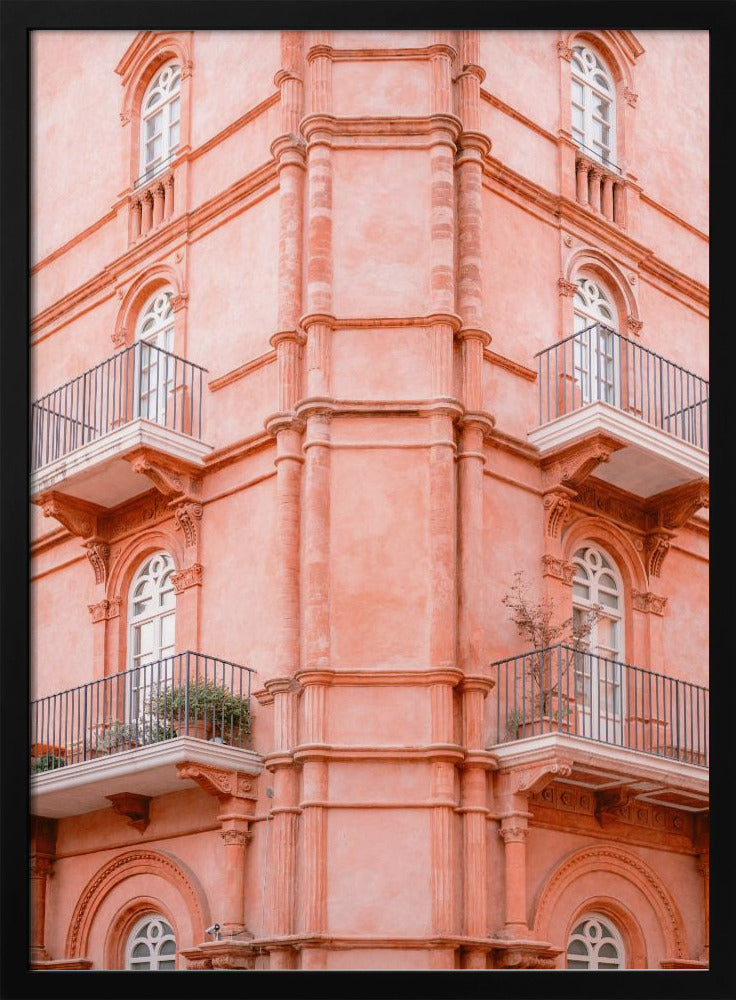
x=118, y=337
x=516, y=834
x=235, y=838
x=105, y=610
x=564, y=51
x=648, y=602
x=41, y=865
x=567, y=288
x=191, y=576
x=634, y=326
x=630, y=97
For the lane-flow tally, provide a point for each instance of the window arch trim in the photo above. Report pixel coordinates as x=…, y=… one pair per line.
x=611, y=276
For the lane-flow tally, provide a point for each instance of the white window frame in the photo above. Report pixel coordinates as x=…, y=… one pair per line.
x=588, y=931
x=599, y=678
x=594, y=81
x=595, y=354
x=162, y=97
x=155, y=959
x=142, y=680
x=155, y=380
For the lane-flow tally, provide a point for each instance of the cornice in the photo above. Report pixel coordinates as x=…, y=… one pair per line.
x=347, y=127
x=509, y=365
x=237, y=373
x=496, y=102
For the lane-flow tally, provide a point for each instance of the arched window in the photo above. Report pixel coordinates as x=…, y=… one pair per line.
x=151, y=946
x=593, y=104
x=598, y=589
x=595, y=944
x=155, y=332
x=152, y=621
x=160, y=111
x=595, y=349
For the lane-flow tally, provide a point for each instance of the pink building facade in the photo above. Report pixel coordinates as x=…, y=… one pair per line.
x=333, y=335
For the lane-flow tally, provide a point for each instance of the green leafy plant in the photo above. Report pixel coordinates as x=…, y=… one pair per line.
x=47, y=762
x=130, y=734
x=207, y=701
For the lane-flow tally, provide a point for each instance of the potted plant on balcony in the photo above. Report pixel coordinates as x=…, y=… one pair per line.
x=550, y=705
x=127, y=735
x=46, y=762
x=204, y=709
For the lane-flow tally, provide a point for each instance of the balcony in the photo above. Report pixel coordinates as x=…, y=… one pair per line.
x=126, y=733
x=620, y=726
x=656, y=413
x=85, y=434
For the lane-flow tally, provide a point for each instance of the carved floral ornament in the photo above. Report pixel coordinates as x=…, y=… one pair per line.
x=191, y=576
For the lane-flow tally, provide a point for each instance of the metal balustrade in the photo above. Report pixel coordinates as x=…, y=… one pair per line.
x=567, y=690
x=597, y=364
x=187, y=694
x=142, y=381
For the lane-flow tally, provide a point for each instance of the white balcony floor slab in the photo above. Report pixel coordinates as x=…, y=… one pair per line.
x=650, y=462
x=98, y=472
x=597, y=766
x=151, y=770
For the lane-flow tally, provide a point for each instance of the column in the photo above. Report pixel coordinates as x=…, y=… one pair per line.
x=135, y=219
x=169, y=196
x=314, y=819
x=43, y=849
x=607, y=197
x=582, y=166
x=158, y=204
x=283, y=819
x=594, y=188
x=513, y=832
x=147, y=217
x=619, y=214
x=233, y=898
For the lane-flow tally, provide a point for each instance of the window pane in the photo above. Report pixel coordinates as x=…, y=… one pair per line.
x=577, y=948
x=602, y=107
x=140, y=966
x=174, y=110
x=577, y=118
x=576, y=964
x=173, y=136
x=167, y=966
x=144, y=639
x=153, y=125
x=581, y=590
x=168, y=948
x=167, y=630
x=577, y=92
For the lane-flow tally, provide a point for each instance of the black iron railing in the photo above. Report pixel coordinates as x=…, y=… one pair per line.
x=598, y=364
x=141, y=381
x=567, y=690
x=188, y=694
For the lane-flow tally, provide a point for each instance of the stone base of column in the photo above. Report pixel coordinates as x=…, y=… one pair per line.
x=60, y=964
x=442, y=958
x=525, y=954
x=474, y=958
x=220, y=955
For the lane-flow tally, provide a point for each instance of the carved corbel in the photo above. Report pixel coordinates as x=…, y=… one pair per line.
x=630, y=97
x=174, y=483
x=77, y=517
x=98, y=553
x=134, y=807
x=525, y=956
x=570, y=467
x=214, y=781
x=187, y=515
x=609, y=802
x=656, y=547
x=533, y=779
x=557, y=510
x=672, y=509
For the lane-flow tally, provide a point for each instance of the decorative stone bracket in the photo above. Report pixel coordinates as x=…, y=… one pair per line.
x=180, y=484
x=527, y=780
x=134, y=807
x=81, y=519
x=610, y=800
x=220, y=956
x=568, y=468
x=525, y=955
